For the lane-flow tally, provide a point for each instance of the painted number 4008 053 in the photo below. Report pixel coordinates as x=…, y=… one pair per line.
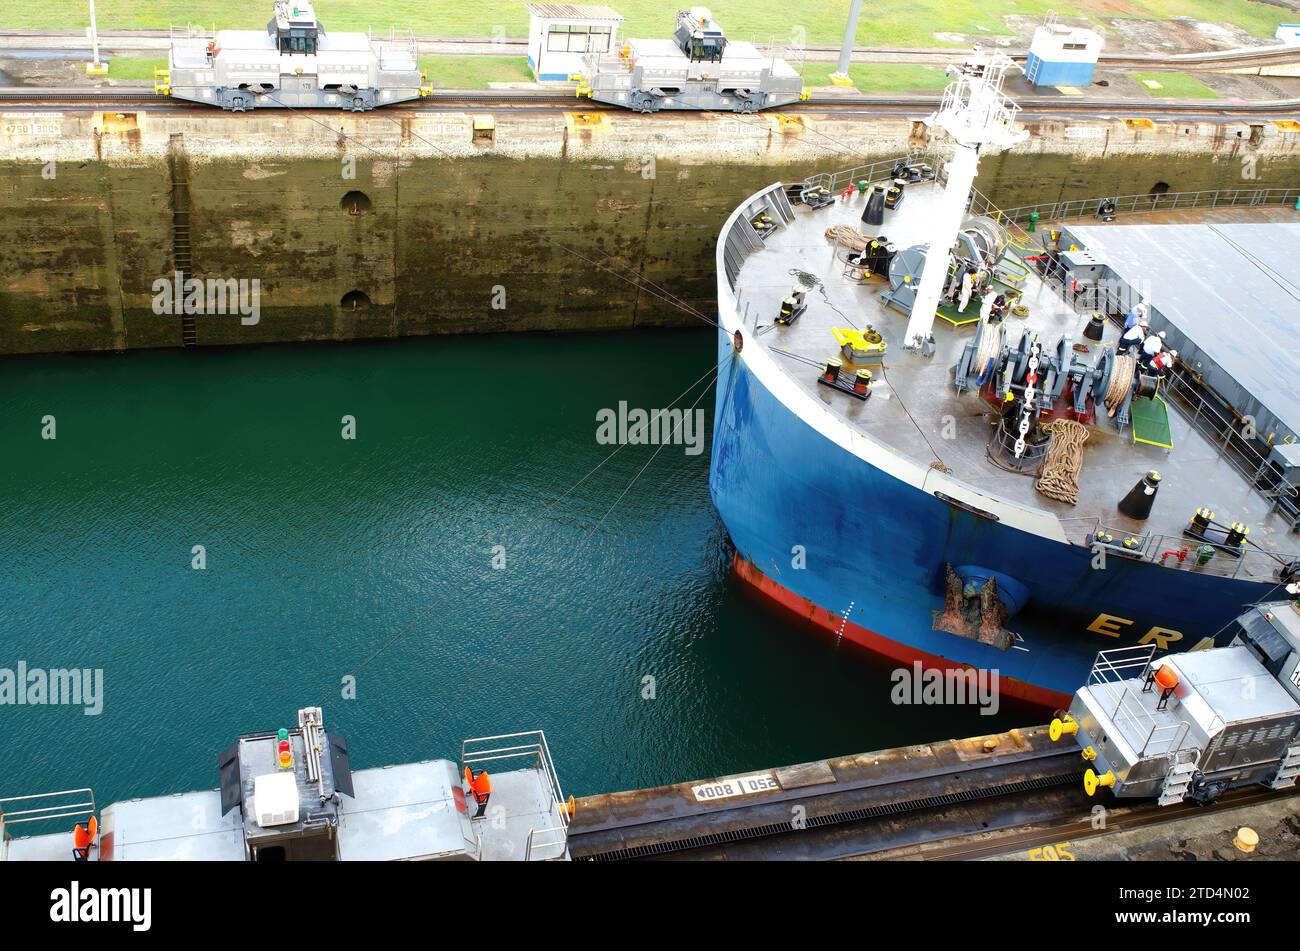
x=736, y=786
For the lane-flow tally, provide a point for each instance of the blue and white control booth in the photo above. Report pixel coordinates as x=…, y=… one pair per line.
x=1288, y=33
x=1063, y=55
x=561, y=34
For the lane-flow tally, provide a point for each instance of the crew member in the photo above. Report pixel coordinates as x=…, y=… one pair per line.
x=967, y=288
x=999, y=307
x=1152, y=346
x=1163, y=362
x=1138, y=315
x=480, y=787
x=1132, y=339
x=83, y=840
x=987, y=298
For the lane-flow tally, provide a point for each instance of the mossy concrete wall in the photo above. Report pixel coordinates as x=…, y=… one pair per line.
x=547, y=221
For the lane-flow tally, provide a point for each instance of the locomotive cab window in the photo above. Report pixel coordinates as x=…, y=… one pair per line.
x=298, y=41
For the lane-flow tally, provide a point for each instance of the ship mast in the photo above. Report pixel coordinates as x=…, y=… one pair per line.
x=977, y=116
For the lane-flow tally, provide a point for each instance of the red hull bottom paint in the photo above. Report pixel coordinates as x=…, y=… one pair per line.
x=809, y=612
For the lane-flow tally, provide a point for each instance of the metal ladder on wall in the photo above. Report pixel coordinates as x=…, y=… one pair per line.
x=181, y=249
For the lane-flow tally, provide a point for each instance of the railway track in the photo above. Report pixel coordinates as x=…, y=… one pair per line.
x=1212, y=59
x=526, y=99
x=1118, y=819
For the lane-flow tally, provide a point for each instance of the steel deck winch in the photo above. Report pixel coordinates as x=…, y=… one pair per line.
x=981, y=245
x=1050, y=381
x=1194, y=725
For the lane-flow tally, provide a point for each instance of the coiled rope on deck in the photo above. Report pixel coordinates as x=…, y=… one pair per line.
x=1121, y=380
x=849, y=237
x=1059, y=476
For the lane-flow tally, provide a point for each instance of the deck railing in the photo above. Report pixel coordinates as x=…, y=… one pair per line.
x=1112, y=677
x=1128, y=204
x=527, y=750
x=871, y=172
x=1243, y=454
x=741, y=240
x=75, y=804
x=1175, y=551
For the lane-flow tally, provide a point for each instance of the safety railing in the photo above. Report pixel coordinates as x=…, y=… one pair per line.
x=1225, y=432
x=871, y=172
x=397, y=47
x=1176, y=551
x=1111, y=680
x=1130, y=204
x=527, y=750
x=979, y=204
x=75, y=804
x=550, y=843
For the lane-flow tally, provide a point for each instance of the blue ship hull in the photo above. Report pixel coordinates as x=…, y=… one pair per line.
x=876, y=549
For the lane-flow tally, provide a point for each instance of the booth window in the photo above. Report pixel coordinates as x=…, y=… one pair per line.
x=578, y=39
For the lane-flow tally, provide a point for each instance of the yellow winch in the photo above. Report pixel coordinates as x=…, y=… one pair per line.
x=860, y=345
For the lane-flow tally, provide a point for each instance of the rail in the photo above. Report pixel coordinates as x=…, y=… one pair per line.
x=1129, y=204
x=75, y=804
x=1175, y=551
x=527, y=750
x=871, y=172
x=1112, y=676
x=1243, y=454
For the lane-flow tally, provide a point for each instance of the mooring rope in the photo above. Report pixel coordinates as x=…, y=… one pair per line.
x=849, y=237
x=1121, y=381
x=990, y=347
x=1059, y=476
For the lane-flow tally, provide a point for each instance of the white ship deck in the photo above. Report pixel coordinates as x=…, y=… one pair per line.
x=913, y=396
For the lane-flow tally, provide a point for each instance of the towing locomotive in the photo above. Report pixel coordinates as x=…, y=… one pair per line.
x=699, y=68
x=1191, y=726
x=294, y=64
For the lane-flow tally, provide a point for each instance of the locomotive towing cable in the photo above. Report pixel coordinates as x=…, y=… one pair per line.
x=1059, y=477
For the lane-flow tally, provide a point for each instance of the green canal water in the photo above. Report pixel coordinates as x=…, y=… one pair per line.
x=373, y=557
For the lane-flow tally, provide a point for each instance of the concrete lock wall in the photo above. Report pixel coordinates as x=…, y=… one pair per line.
x=538, y=221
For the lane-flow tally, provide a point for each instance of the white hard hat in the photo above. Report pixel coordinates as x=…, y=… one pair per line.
x=1173, y=353
x=1161, y=335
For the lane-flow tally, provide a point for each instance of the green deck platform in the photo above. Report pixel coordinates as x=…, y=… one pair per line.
x=1151, y=422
